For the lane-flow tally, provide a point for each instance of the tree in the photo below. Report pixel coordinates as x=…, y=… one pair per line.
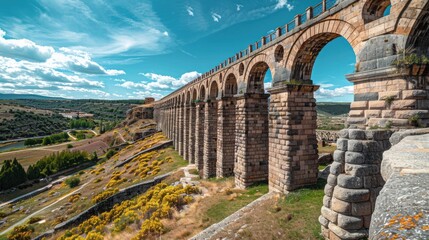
x=12, y=174
x=72, y=182
x=94, y=157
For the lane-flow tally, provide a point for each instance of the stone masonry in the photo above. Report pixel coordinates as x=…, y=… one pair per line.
x=199, y=136
x=353, y=184
x=226, y=137
x=292, y=137
x=210, y=139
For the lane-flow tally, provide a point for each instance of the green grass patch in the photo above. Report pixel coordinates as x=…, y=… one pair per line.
x=226, y=207
x=303, y=209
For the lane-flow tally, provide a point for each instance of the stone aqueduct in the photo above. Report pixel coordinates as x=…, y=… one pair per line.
x=229, y=125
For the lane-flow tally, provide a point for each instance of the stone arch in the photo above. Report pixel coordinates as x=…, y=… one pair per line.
x=230, y=85
x=308, y=45
x=417, y=39
x=202, y=93
x=188, y=97
x=214, y=91
x=194, y=94
x=255, y=73
x=374, y=9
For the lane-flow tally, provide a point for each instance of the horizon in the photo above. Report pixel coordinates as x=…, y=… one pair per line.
x=131, y=50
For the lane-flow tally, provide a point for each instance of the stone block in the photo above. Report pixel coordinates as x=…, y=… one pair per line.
x=389, y=94
x=351, y=182
x=349, y=222
x=341, y=206
x=377, y=105
x=361, y=208
x=356, y=120
x=323, y=221
x=329, y=190
x=342, y=144
x=355, y=145
x=406, y=114
x=327, y=201
x=359, y=105
x=377, y=135
x=356, y=113
x=348, y=235
x=332, y=180
x=337, y=168
x=339, y=156
x=403, y=104
x=372, y=146
x=355, y=158
x=414, y=94
x=373, y=113
x=351, y=195
x=343, y=133
x=329, y=214
x=371, y=96
x=361, y=170
x=356, y=134
x=387, y=113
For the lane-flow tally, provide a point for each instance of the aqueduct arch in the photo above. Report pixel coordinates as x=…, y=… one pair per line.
x=237, y=134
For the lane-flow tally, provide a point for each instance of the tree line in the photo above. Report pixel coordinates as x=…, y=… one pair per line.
x=13, y=174
x=53, y=139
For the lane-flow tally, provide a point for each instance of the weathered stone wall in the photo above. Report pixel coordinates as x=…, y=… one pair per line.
x=402, y=208
x=353, y=184
x=327, y=135
x=199, y=136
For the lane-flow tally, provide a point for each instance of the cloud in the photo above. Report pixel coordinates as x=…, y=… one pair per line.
x=216, y=17
x=190, y=11
x=283, y=3
x=165, y=33
x=239, y=6
x=161, y=83
x=326, y=85
x=78, y=61
x=336, y=92
x=23, y=49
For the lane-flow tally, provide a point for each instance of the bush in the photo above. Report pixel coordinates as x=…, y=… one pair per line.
x=72, y=182
x=110, y=153
x=34, y=220
x=21, y=233
x=69, y=146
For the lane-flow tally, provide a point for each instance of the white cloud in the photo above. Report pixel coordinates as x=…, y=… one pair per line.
x=157, y=82
x=239, y=6
x=23, y=49
x=283, y=3
x=190, y=11
x=326, y=85
x=267, y=85
x=336, y=92
x=165, y=33
x=216, y=17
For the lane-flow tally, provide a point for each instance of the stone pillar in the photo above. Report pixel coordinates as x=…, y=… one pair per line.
x=353, y=184
x=226, y=137
x=181, y=132
x=176, y=128
x=199, y=135
x=210, y=139
x=186, y=132
x=191, y=130
x=292, y=137
x=251, y=140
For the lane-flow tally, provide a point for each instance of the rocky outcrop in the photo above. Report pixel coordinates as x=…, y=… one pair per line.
x=402, y=208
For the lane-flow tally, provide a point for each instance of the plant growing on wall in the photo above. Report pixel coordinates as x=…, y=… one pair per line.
x=409, y=60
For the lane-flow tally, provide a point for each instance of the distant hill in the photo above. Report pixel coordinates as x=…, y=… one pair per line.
x=332, y=108
x=26, y=96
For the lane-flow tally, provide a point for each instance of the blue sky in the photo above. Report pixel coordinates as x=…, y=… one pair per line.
x=131, y=49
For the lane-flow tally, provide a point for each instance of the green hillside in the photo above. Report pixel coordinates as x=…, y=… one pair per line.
x=332, y=108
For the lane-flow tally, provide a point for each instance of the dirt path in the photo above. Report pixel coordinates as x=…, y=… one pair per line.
x=22, y=221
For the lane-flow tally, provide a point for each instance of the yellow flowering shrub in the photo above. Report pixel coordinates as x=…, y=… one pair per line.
x=148, y=209
x=22, y=232
x=75, y=197
x=104, y=195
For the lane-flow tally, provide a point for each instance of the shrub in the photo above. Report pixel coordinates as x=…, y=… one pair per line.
x=104, y=195
x=72, y=182
x=69, y=146
x=22, y=232
x=34, y=220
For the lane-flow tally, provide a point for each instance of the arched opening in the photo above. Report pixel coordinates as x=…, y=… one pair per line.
x=257, y=77
x=279, y=53
x=418, y=39
x=375, y=9
x=241, y=69
x=214, y=91
x=230, y=86
x=202, y=95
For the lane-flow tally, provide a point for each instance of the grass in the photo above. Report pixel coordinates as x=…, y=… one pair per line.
x=224, y=208
x=304, y=208
x=327, y=148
